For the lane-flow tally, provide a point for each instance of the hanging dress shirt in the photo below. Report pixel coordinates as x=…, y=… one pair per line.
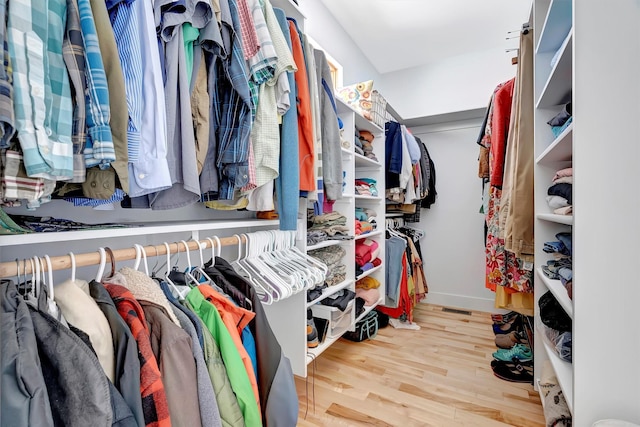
x=150, y=173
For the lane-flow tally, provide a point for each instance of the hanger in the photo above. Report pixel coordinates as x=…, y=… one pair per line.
x=200, y=270
x=166, y=277
x=49, y=281
x=73, y=266
x=189, y=268
x=264, y=295
x=141, y=253
x=103, y=264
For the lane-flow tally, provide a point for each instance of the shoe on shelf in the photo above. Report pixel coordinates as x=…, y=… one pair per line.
x=505, y=328
x=501, y=319
x=509, y=340
x=520, y=352
x=517, y=372
x=312, y=332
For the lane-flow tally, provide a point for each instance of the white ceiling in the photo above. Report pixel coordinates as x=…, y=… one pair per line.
x=399, y=34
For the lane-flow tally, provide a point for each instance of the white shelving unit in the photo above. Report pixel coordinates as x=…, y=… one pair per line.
x=354, y=166
x=553, y=87
x=601, y=144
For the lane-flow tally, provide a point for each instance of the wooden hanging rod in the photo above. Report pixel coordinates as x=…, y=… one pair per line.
x=63, y=262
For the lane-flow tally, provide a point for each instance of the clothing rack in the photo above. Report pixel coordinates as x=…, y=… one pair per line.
x=64, y=262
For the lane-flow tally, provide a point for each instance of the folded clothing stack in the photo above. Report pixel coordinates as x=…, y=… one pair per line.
x=366, y=141
x=367, y=252
x=328, y=226
x=332, y=256
x=561, y=121
x=366, y=187
x=367, y=290
x=560, y=267
x=366, y=221
x=560, y=193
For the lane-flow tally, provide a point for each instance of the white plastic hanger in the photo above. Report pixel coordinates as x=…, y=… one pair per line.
x=263, y=294
x=188, y=273
x=103, y=264
x=73, y=266
x=141, y=254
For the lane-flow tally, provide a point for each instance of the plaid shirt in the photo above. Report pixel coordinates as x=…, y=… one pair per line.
x=42, y=102
x=16, y=185
x=99, y=149
x=233, y=108
x=154, y=399
x=7, y=121
x=73, y=53
x=249, y=36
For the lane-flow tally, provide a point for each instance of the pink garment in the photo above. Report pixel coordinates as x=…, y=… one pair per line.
x=370, y=296
x=364, y=249
x=563, y=172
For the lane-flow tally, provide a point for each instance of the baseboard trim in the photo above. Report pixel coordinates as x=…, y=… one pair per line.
x=461, y=301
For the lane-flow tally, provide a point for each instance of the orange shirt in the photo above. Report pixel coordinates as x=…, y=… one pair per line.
x=306, y=151
x=235, y=319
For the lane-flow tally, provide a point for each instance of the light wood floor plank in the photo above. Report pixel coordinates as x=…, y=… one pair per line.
x=438, y=376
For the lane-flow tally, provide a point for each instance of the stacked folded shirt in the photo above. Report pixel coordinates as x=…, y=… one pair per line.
x=561, y=121
x=560, y=267
x=367, y=290
x=332, y=257
x=366, y=187
x=367, y=252
x=366, y=221
x=559, y=195
x=366, y=142
x=328, y=226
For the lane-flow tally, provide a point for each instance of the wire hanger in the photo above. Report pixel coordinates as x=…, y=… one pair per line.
x=166, y=277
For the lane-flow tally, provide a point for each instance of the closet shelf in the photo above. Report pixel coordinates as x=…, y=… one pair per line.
x=558, y=291
x=367, y=235
x=560, y=150
x=360, y=122
x=364, y=197
x=324, y=244
x=363, y=162
x=138, y=230
x=557, y=90
x=563, y=370
x=290, y=8
x=368, y=309
x=313, y=353
x=368, y=272
x=346, y=151
x=329, y=291
x=560, y=219
x=556, y=26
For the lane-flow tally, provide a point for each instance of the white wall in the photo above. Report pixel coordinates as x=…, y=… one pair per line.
x=453, y=247
x=324, y=29
x=458, y=83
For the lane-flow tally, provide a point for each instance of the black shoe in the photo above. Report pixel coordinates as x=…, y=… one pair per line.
x=517, y=372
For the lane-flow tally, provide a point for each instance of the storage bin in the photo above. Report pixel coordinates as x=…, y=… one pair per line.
x=339, y=321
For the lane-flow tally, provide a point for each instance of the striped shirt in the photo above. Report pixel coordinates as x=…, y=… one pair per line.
x=16, y=185
x=248, y=32
x=42, y=95
x=233, y=108
x=125, y=29
x=73, y=54
x=99, y=149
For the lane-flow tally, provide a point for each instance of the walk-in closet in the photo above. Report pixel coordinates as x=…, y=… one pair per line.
x=281, y=213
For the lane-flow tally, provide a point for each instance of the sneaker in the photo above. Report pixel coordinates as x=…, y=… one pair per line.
x=517, y=372
x=509, y=340
x=312, y=332
x=501, y=319
x=520, y=352
x=504, y=328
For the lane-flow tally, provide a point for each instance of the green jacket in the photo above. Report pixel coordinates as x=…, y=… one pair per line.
x=230, y=413
x=233, y=362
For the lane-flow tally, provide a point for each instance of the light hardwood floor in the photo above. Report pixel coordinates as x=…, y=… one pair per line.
x=437, y=376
